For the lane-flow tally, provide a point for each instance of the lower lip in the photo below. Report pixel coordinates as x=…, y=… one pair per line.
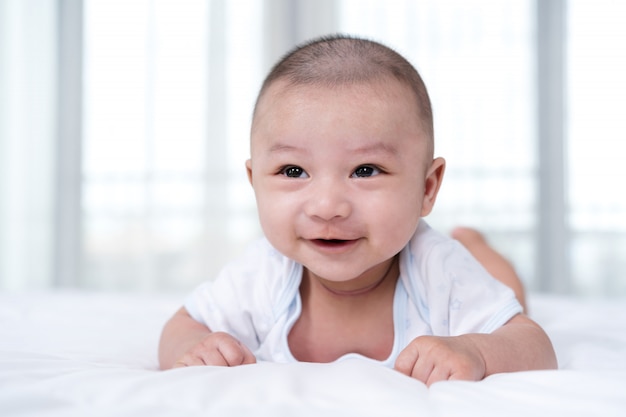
x=334, y=246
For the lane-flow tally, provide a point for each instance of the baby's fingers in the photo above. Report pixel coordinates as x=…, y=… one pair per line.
x=201, y=356
x=420, y=360
x=217, y=349
x=191, y=359
x=407, y=360
x=419, y=368
x=438, y=374
x=234, y=353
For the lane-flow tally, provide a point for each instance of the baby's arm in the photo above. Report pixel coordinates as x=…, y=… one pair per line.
x=185, y=342
x=519, y=345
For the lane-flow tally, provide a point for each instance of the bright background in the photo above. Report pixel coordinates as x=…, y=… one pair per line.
x=124, y=131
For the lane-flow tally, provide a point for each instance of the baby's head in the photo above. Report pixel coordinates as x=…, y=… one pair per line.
x=342, y=157
x=338, y=61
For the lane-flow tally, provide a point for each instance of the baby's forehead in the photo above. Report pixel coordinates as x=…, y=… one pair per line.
x=386, y=88
x=283, y=99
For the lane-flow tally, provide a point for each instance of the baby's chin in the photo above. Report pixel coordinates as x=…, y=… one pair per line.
x=339, y=274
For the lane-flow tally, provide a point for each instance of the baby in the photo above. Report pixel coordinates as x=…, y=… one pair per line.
x=343, y=172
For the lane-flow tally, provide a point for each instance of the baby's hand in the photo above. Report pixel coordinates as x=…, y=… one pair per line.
x=431, y=359
x=217, y=349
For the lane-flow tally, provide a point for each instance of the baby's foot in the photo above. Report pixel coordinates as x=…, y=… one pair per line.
x=468, y=237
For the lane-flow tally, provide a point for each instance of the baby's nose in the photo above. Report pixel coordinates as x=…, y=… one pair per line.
x=328, y=201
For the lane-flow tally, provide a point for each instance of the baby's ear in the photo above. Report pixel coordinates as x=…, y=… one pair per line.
x=432, y=183
x=249, y=170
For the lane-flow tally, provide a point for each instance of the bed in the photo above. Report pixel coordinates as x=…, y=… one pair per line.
x=94, y=354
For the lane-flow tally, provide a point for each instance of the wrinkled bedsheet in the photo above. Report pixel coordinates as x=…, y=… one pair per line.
x=88, y=354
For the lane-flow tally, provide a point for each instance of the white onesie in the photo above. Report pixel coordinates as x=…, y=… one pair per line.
x=442, y=291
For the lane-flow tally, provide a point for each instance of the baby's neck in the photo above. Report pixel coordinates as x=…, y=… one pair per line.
x=332, y=324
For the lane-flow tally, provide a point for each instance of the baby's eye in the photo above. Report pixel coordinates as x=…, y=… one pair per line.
x=365, y=171
x=293, y=171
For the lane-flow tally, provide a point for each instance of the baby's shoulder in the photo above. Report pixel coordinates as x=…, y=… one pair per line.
x=428, y=244
x=261, y=269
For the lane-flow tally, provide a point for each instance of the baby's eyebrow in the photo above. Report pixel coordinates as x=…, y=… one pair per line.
x=283, y=147
x=367, y=149
x=378, y=147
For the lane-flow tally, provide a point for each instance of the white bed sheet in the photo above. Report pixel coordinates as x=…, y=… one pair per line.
x=83, y=354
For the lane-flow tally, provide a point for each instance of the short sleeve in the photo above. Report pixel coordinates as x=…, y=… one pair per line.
x=242, y=299
x=451, y=291
x=463, y=296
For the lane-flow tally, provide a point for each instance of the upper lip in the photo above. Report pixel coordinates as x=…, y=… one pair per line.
x=334, y=238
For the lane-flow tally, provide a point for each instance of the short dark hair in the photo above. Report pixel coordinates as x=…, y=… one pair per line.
x=338, y=60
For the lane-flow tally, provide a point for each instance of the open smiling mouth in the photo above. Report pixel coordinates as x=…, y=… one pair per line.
x=334, y=243
x=331, y=241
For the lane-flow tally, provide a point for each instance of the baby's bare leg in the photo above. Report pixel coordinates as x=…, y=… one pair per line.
x=492, y=261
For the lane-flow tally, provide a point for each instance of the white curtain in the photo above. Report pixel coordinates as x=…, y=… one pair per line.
x=166, y=94
x=596, y=155
x=28, y=125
